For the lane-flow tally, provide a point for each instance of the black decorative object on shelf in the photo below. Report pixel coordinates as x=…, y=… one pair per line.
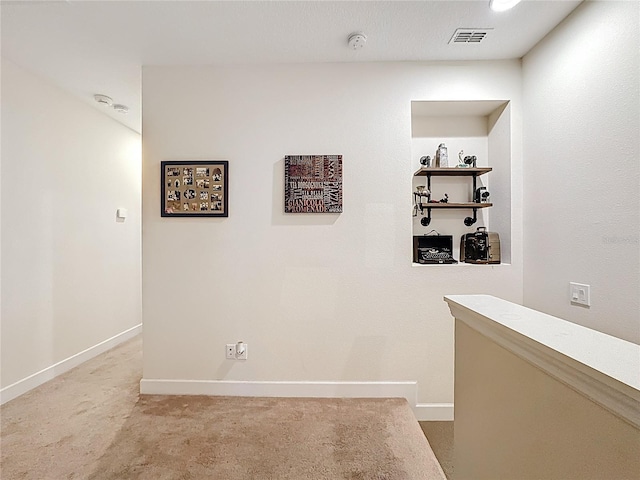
x=480, y=246
x=433, y=249
x=481, y=195
x=470, y=160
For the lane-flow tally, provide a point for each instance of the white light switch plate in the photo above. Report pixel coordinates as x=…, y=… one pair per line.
x=580, y=294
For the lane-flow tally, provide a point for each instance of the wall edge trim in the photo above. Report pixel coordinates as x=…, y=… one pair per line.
x=301, y=389
x=35, y=380
x=434, y=412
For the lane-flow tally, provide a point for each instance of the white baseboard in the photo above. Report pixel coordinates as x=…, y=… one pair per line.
x=32, y=381
x=434, y=412
x=232, y=388
x=407, y=390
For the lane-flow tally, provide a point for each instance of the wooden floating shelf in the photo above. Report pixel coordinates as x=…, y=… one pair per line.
x=455, y=205
x=452, y=172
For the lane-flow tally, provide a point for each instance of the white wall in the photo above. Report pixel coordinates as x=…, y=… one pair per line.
x=316, y=297
x=582, y=168
x=71, y=272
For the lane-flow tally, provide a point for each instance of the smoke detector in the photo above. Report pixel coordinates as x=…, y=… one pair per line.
x=103, y=99
x=357, y=40
x=469, y=35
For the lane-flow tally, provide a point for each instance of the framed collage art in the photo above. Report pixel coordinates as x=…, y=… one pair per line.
x=195, y=188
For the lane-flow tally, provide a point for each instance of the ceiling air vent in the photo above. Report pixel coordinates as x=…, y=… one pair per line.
x=469, y=35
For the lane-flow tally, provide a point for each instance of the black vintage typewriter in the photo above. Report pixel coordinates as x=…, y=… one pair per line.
x=433, y=249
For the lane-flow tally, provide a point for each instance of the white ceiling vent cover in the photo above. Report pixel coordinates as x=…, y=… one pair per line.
x=469, y=35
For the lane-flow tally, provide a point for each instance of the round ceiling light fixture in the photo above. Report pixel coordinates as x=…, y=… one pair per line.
x=357, y=40
x=103, y=99
x=121, y=108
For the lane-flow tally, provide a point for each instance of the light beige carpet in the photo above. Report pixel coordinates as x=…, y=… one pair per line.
x=91, y=424
x=440, y=437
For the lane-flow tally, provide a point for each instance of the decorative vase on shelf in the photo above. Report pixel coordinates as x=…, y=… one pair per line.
x=442, y=158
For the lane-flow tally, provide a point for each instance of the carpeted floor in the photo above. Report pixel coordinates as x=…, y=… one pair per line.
x=440, y=436
x=91, y=424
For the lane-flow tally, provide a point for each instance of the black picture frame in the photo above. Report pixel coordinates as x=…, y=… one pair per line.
x=194, y=188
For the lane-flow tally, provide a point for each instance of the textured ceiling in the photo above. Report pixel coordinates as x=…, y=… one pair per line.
x=89, y=47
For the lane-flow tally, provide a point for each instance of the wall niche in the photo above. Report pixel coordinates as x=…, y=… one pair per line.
x=480, y=128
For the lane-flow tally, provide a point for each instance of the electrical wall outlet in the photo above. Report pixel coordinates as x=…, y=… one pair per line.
x=236, y=351
x=580, y=294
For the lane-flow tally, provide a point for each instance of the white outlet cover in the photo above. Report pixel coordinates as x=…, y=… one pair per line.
x=580, y=294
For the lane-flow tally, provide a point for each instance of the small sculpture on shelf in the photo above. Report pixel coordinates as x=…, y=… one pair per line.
x=442, y=158
x=420, y=193
x=445, y=199
x=461, y=163
x=425, y=161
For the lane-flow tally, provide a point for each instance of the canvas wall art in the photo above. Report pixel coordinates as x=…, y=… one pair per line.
x=313, y=184
x=195, y=188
